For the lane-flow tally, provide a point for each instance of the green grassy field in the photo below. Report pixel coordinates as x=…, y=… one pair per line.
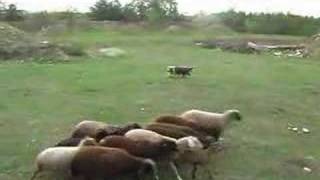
x=41, y=102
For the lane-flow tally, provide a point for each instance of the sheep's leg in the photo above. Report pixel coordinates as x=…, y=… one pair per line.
x=194, y=171
x=175, y=170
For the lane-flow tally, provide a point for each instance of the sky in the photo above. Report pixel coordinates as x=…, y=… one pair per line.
x=300, y=7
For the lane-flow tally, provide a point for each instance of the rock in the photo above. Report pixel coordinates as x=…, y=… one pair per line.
x=173, y=28
x=306, y=169
x=199, y=44
x=278, y=53
x=305, y=130
x=44, y=42
x=112, y=52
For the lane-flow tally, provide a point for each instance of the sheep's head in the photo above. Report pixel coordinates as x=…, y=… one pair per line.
x=233, y=115
x=189, y=143
x=123, y=130
x=132, y=126
x=168, y=146
x=88, y=141
x=100, y=134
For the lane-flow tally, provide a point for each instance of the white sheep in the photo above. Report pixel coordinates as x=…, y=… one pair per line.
x=200, y=157
x=211, y=123
x=58, y=159
x=146, y=135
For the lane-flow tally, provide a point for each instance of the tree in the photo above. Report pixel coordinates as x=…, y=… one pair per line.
x=139, y=7
x=156, y=10
x=13, y=14
x=70, y=16
x=234, y=20
x=129, y=13
x=107, y=10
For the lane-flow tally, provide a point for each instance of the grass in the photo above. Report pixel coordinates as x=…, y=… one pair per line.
x=41, y=102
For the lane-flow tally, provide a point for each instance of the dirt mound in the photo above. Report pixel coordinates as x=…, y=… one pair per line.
x=16, y=44
x=314, y=45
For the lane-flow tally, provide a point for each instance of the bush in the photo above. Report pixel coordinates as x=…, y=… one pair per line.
x=106, y=10
x=73, y=49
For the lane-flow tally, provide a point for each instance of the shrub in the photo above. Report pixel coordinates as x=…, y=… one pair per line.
x=73, y=49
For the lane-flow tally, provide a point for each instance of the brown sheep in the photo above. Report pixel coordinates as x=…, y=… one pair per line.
x=211, y=123
x=108, y=163
x=177, y=131
x=183, y=144
x=164, y=150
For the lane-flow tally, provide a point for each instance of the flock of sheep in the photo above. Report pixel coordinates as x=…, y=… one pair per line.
x=97, y=150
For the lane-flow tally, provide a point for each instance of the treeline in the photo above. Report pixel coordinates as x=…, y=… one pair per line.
x=136, y=10
x=110, y=10
x=263, y=23
x=158, y=11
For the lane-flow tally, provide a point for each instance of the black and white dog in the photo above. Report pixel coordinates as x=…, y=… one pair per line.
x=179, y=70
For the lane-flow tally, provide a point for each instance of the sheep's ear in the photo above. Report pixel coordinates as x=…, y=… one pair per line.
x=136, y=126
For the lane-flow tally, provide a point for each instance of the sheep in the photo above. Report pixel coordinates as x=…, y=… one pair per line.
x=171, y=119
x=189, y=142
x=211, y=123
x=176, y=131
x=140, y=148
x=72, y=142
x=99, y=130
x=58, y=159
x=147, y=135
x=183, y=144
x=143, y=148
x=186, y=144
x=193, y=152
x=199, y=157
x=107, y=163
x=88, y=128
